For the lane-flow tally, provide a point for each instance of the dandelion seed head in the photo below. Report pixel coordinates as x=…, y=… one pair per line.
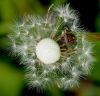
x=60, y=25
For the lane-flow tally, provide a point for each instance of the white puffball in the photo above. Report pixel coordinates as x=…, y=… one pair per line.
x=48, y=51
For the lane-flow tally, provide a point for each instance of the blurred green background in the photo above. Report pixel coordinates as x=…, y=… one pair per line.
x=12, y=81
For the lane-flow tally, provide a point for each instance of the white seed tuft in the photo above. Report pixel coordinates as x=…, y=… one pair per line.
x=45, y=68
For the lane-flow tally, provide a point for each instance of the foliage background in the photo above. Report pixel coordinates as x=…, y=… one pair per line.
x=12, y=81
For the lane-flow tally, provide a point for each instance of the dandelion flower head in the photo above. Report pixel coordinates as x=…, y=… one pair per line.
x=53, y=48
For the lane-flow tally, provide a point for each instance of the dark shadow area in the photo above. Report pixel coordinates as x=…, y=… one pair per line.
x=88, y=10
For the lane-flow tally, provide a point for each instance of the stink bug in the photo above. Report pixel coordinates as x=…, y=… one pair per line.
x=68, y=39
